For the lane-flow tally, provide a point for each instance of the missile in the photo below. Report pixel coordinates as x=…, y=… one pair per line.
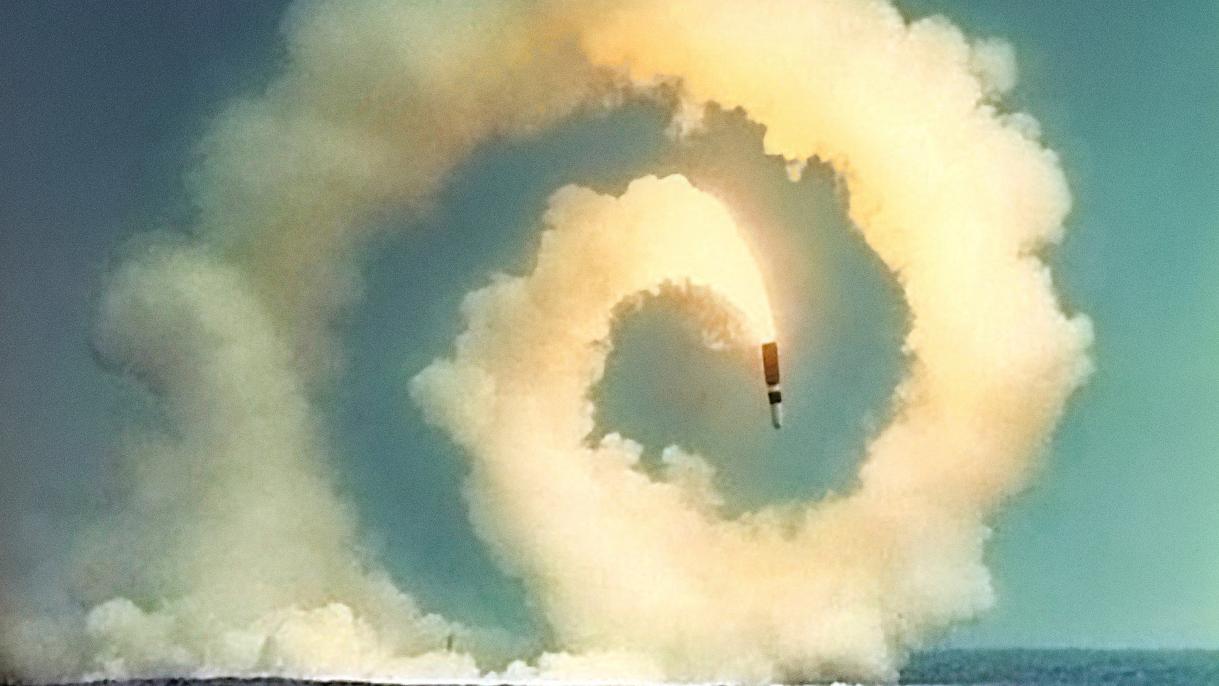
x=770, y=370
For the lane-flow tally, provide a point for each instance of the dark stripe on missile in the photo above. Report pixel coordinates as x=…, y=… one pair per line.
x=770, y=362
x=774, y=397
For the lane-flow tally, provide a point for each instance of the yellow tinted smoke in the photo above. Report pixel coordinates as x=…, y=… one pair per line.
x=956, y=199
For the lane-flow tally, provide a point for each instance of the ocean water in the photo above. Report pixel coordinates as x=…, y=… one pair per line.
x=1016, y=667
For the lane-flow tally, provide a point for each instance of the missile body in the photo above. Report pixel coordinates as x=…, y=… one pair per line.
x=770, y=370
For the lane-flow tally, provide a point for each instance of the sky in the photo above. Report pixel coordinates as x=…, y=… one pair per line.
x=1116, y=543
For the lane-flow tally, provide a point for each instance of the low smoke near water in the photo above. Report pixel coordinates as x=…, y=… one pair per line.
x=258, y=567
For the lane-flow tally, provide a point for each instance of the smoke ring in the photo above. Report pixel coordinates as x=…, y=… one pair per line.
x=992, y=360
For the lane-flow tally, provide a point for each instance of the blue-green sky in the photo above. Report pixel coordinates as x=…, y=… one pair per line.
x=1117, y=542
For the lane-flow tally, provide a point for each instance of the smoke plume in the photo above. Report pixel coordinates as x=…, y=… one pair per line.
x=235, y=554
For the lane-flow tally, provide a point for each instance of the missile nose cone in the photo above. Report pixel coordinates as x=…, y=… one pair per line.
x=776, y=415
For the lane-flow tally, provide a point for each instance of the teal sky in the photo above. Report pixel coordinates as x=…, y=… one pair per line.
x=1115, y=544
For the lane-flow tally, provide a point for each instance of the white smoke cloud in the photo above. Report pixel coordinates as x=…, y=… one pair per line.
x=244, y=557
x=649, y=568
x=234, y=553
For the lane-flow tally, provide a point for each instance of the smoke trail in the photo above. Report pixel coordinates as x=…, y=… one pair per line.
x=235, y=554
x=956, y=199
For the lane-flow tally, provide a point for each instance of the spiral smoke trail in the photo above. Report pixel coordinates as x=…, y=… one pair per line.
x=236, y=555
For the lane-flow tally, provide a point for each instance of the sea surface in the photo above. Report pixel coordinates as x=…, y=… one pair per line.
x=1054, y=667
x=948, y=667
